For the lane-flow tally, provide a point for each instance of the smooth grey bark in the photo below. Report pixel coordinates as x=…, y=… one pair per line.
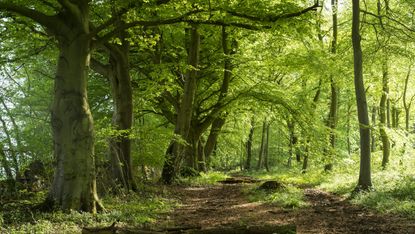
x=175, y=152
x=365, y=180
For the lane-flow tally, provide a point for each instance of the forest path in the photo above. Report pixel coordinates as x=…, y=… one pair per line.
x=224, y=208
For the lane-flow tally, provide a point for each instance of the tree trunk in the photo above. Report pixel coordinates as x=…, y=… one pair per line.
x=292, y=142
x=406, y=104
x=74, y=185
x=5, y=163
x=266, y=148
x=348, y=128
x=374, y=113
x=12, y=151
x=175, y=153
x=365, y=181
x=382, y=125
x=219, y=121
x=260, y=164
x=21, y=157
x=201, y=155
x=249, y=146
x=122, y=119
x=332, y=119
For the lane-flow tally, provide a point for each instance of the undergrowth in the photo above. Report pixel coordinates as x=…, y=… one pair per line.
x=128, y=209
x=393, y=188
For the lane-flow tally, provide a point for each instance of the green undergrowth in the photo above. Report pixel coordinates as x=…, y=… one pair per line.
x=133, y=209
x=289, y=197
x=393, y=188
x=208, y=178
x=292, y=176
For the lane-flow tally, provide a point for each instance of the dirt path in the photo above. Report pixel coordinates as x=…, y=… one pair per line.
x=225, y=209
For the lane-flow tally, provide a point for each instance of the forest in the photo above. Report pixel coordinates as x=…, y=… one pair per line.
x=207, y=116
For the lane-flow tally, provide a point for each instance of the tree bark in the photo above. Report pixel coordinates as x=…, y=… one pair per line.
x=260, y=164
x=266, y=148
x=175, y=153
x=292, y=142
x=5, y=163
x=19, y=145
x=118, y=73
x=249, y=145
x=10, y=143
x=74, y=185
x=332, y=119
x=406, y=104
x=219, y=121
x=382, y=118
x=365, y=181
x=373, y=143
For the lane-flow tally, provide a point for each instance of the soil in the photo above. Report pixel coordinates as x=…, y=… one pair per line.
x=224, y=208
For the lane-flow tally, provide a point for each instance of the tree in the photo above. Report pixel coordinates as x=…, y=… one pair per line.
x=365, y=181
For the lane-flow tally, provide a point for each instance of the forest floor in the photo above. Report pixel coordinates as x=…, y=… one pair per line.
x=225, y=208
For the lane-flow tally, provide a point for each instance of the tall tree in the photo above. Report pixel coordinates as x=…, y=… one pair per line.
x=365, y=179
x=176, y=150
x=332, y=118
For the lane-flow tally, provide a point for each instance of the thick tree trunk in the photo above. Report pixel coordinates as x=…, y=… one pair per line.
x=122, y=120
x=249, y=142
x=175, y=153
x=382, y=118
x=74, y=185
x=365, y=181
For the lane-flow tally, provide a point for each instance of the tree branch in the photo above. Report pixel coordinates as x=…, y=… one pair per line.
x=45, y=20
x=99, y=67
x=276, y=17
